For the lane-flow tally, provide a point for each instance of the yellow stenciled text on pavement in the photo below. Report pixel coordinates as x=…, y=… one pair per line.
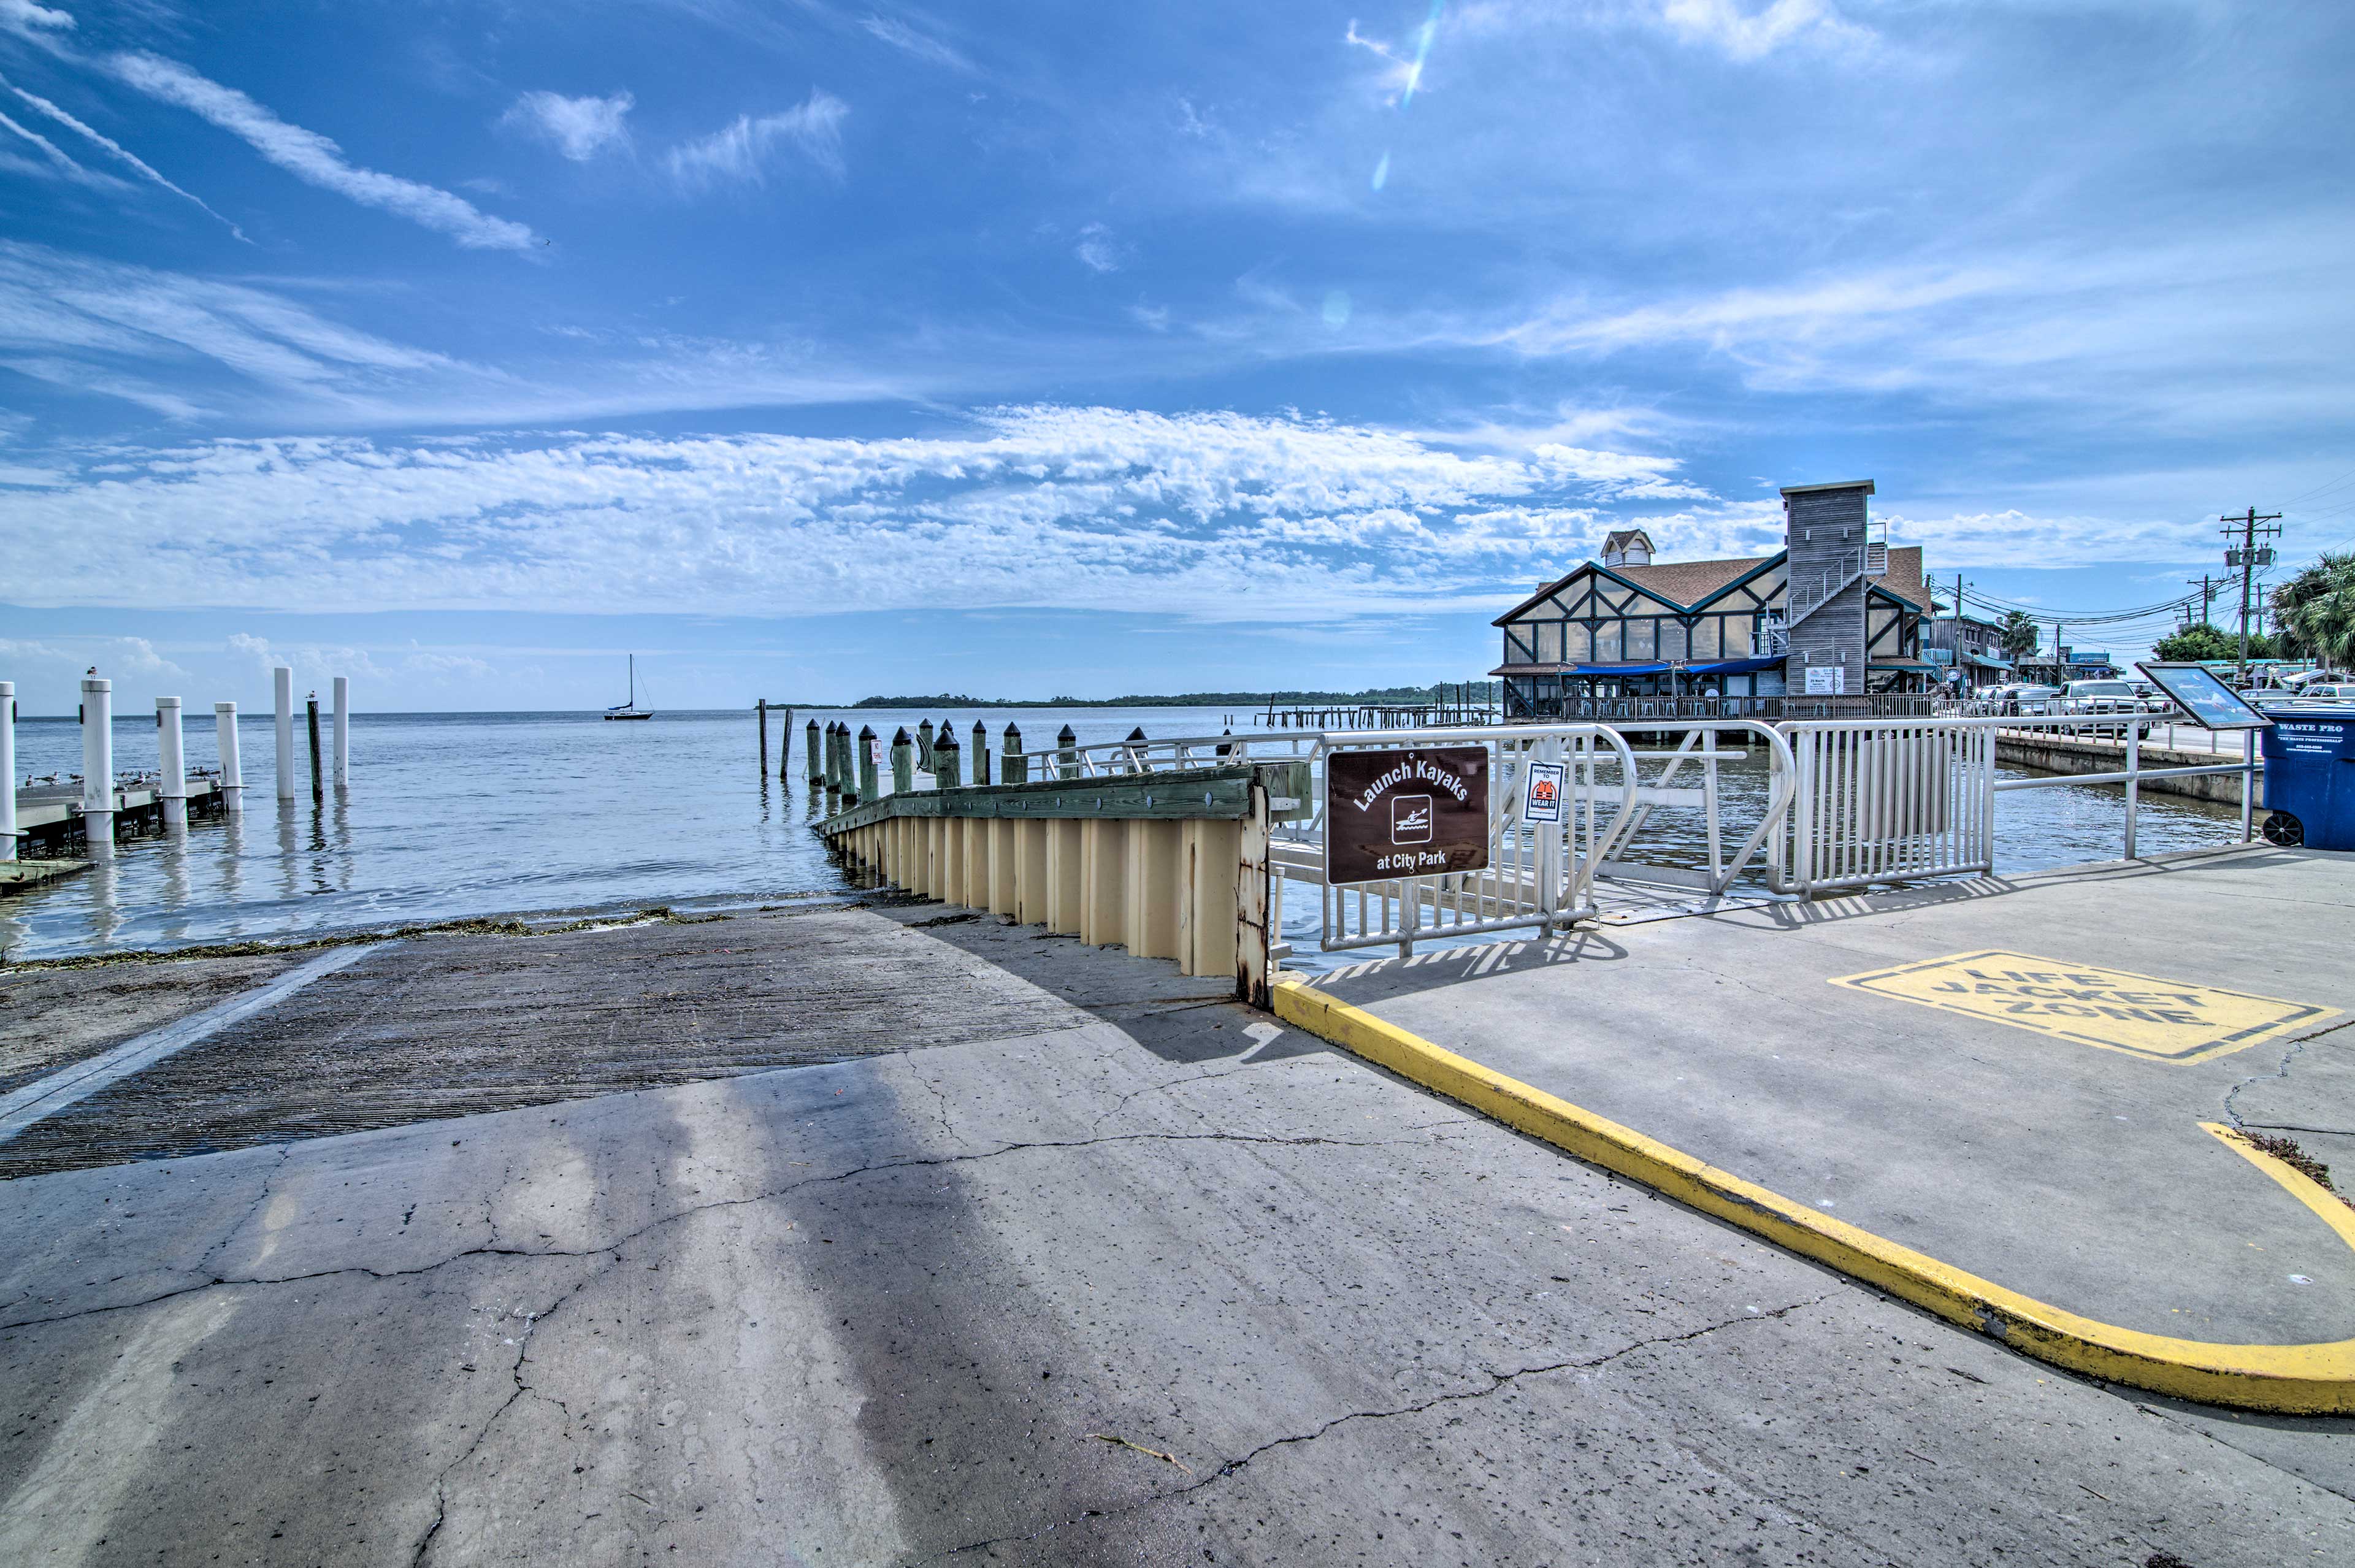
x=2115, y=1009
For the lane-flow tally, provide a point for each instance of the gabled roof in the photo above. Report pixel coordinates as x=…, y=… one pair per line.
x=1904, y=576
x=1689, y=584
x=1679, y=582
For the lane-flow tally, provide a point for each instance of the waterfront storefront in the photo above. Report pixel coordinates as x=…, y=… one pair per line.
x=1625, y=626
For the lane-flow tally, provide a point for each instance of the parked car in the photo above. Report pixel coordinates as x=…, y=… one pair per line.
x=2104, y=697
x=2021, y=698
x=2327, y=692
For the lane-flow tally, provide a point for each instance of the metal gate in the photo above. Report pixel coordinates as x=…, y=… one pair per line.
x=1881, y=800
x=1540, y=875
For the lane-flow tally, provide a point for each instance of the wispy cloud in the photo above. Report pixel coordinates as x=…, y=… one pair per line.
x=60, y=160
x=1097, y=250
x=742, y=151
x=1749, y=32
x=579, y=128
x=317, y=160
x=118, y=150
x=28, y=19
x=1218, y=516
x=922, y=46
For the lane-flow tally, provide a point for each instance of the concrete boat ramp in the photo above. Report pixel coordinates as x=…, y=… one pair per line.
x=887, y=1234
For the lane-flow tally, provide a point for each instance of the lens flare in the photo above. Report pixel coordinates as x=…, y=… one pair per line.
x=1422, y=52
x=1382, y=171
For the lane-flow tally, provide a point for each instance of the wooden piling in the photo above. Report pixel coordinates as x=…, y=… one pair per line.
x=1013, y=767
x=318, y=781
x=980, y=760
x=1067, y=756
x=903, y=762
x=812, y=767
x=946, y=761
x=867, y=762
x=761, y=705
x=924, y=745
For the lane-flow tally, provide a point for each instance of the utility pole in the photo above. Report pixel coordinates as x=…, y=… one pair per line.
x=2245, y=555
x=2207, y=586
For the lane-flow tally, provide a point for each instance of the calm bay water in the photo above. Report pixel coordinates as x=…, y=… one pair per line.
x=451, y=815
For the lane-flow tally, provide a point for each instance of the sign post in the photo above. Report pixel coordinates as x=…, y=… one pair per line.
x=1413, y=812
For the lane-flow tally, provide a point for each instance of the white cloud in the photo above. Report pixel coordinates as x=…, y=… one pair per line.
x=315, y=159
x=1097, y=250
x=24, y=17
x=742, y=151
x=117, y=149
x=1749, y=32
x=1218, y=516
x=579, y=128
x=922, y=46
x=60, y=160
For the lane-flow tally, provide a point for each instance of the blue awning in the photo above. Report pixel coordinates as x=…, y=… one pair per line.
x=1658, y=666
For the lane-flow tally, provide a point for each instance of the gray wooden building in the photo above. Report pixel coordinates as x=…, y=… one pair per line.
x=1834, y=613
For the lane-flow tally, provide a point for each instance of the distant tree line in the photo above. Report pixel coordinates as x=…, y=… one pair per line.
x=1395, y=695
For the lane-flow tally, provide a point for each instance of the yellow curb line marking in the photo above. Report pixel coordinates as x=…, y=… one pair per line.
x=2294, y=1379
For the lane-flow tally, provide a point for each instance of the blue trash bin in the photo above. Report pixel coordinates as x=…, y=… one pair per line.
x=2310, y=777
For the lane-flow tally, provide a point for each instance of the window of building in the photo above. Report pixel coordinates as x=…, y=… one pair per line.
x=1705, y=642
x=1578, y=645
x=1672, y=640
x=1737, y=637
x=1606, y=642
x=1637, y=638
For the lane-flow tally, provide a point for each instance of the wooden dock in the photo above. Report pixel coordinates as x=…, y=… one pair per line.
x=49, y=818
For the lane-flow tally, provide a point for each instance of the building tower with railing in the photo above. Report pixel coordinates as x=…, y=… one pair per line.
x=1827, y=534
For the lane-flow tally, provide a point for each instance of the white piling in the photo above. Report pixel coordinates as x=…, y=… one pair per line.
x=172, y=774
x=342, y=730
x=98, y=765
x=232, y=783
x=8, y=770
x=281, y=680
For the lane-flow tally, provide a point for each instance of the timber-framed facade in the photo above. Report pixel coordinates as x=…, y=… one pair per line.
x=1627, y=625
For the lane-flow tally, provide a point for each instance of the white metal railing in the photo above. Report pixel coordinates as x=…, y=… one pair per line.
x=1846, y=803
x=2132, y=731
x=1540, y=875
x=1886, y=800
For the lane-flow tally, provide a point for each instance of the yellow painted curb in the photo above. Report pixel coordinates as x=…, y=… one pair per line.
x=2294, y=1379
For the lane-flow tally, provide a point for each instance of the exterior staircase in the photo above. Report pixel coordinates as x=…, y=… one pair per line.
x=1810, y=592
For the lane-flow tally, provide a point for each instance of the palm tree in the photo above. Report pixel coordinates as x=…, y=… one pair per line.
x=2314, y=612
x=2019, y=635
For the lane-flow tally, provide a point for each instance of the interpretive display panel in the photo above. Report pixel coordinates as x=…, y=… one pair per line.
x=2212, y=703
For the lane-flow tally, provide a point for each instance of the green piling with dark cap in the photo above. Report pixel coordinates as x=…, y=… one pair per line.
x=924, y=745
x=980, y=753
x=944, y=761
x=1135, y=737
x=1067, y=753
x=903, y=762
x=867, y=762
x=1013, y=767
x=813, y=765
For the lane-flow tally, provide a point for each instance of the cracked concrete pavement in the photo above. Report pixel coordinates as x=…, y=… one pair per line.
x=2076, y=1175
x=1146, y=1278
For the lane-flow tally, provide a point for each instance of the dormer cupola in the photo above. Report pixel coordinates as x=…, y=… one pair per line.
x=1628, y=547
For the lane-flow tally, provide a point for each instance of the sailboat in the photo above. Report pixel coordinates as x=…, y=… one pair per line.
x=631, y=710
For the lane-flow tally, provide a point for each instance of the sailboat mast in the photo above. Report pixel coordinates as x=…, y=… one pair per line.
x=633, y=680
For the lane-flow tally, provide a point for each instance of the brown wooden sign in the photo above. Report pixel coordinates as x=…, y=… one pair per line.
x=1412, y=813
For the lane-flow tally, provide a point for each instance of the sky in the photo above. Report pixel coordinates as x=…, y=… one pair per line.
x=812, y=350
